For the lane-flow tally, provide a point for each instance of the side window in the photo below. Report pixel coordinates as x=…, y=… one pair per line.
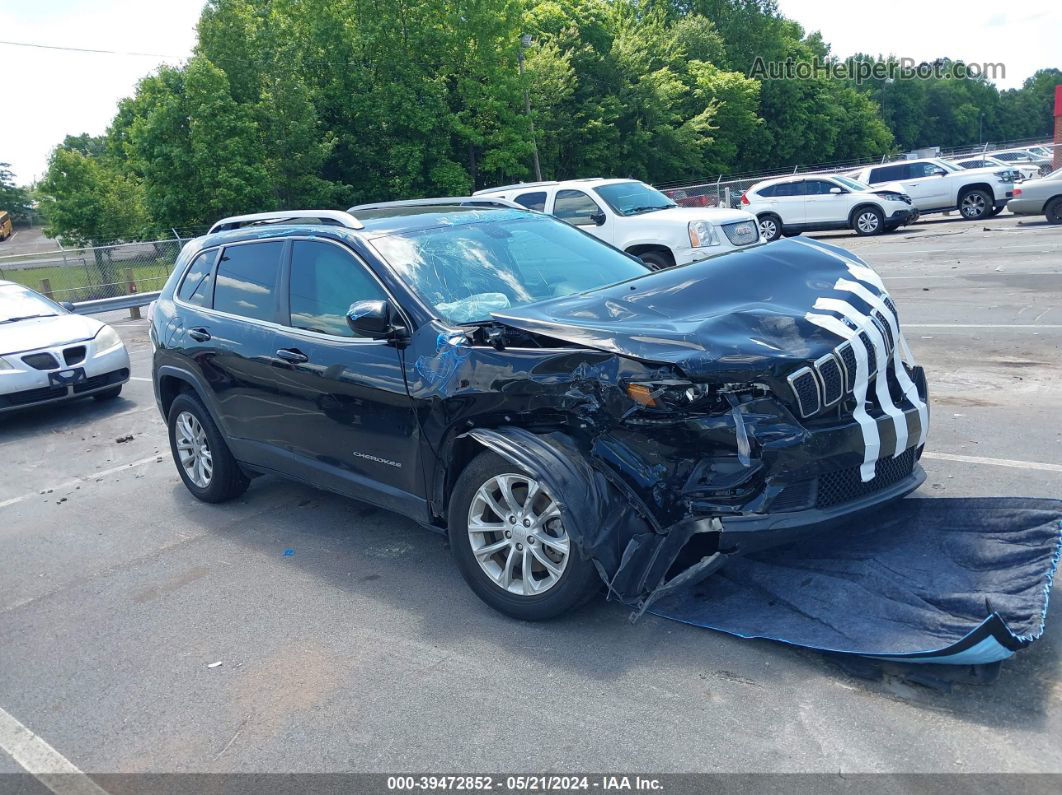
x=818, y=187
x=785, y=189
x=889, y=173
x=198, y=285
x=532, y=201
x=919, y=170
x=246, y=280
x=767, y=192
x=575, y=207
x=325, y=281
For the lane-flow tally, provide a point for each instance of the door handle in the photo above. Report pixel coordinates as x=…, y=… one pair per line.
x=293, y=355
x=199, y=334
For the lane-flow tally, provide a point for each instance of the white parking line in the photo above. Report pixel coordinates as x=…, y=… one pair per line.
x=998, y=462
x=982, y=325
x=43, y=762
x=973, y=273
x=139, y=378
x=78, y=481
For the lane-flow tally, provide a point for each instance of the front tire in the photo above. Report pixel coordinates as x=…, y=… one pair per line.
x=1053, y=211
x=975, y=205
x=770, y=227
x=203, y=460
x=868, y=221
x=508, y=539
x=657, y=260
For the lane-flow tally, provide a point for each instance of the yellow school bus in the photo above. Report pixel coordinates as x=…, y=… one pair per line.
x=5, y=225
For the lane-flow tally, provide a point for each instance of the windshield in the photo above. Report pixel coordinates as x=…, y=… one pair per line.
x=21, y=303
x=944, y=164
x=633, y=198
x=853, y=184
x=468, y=269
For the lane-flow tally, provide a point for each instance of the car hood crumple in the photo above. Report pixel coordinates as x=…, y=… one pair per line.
x=737, y=316
x=46, y=332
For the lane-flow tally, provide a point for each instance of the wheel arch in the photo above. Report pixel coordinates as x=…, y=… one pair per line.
x=172, y=381
x=975, y=186
x=864, y=206
x=638, y=249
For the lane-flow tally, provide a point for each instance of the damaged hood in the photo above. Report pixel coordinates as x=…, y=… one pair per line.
x=739, y=314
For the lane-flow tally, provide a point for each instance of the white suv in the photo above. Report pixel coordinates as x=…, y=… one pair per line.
x=637, y=218
x=790, y=205
x=936, y=185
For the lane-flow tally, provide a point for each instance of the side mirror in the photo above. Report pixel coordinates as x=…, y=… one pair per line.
x=374, y=319
x=69, y=307
x=939, y=172
x=836, y=191
x=598, y=218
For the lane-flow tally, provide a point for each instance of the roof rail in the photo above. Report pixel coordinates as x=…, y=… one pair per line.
x=461, y=201
x=515, y=186
x=309, y=217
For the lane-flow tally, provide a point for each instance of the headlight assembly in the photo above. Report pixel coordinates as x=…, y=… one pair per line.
x=677, y=395
x=702, y=234
x=107, y=340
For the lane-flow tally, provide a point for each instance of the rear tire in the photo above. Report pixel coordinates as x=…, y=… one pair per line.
x=1053, y=211
x=974, y=205
x=770, y=227
x=531, y=534
x=108, y=394
x=203, y=460
x=868, y=221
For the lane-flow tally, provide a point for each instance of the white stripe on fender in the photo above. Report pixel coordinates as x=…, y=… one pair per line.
x=881, y=384
x=863, y=273
x=910, y=391
x=871, y=438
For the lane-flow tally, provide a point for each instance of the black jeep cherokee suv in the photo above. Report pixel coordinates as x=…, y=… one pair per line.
x=564, y=413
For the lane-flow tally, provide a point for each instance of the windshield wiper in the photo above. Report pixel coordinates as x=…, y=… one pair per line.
x=650, y=207
x=26, y=317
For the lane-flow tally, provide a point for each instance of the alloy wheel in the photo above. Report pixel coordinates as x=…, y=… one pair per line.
x=193, y=449
x=867, y=222
x=768, y=228
x=517, y=534
x=973, y=205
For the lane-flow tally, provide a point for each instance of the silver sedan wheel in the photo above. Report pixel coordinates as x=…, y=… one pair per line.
x=867, y=222
x=768, y=228
x=517, y=535
x=973, y=205
x=193, y=449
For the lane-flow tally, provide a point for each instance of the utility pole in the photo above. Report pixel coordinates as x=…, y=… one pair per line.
x=525, y=42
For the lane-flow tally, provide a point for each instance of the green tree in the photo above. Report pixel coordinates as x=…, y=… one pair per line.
x=13, y=199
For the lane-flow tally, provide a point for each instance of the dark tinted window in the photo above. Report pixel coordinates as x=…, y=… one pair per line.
x=575, y=207
x=919, y=170
x=198, y=284
x=783, y=189
x=246, y=280
x=817, y=187
x=532, y=201
x=325, y=281
x=766, y=192
x=888, y=173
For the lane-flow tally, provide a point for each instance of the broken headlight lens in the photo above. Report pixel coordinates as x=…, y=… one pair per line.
x=679, y=395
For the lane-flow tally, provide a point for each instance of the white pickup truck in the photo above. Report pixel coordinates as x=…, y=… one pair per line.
x=637, y=218
x=936, y=185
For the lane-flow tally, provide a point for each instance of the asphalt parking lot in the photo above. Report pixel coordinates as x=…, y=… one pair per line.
x=347, y=641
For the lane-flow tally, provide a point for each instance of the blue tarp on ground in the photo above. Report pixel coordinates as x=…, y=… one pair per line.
x=958, y=581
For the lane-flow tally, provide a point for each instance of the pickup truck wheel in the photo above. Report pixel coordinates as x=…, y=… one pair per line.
x=975, y=205
x=995, y=211
x=770, y=227
x=657, y=260
x=508, y=538
x=868, y=221
x=1053, y=210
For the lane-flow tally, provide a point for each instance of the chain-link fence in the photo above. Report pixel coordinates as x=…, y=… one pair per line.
x=727, y=192
x=86, y=274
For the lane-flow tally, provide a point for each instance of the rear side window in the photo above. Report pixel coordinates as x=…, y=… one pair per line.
x=783, y=189
x=532, y=201
x=767, y=191
x=575, y=207
x=247, y=278
x=198, y=285
x=888, y=173
x=325, y=281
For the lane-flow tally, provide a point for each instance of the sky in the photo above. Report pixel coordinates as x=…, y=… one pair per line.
x=49, y=94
